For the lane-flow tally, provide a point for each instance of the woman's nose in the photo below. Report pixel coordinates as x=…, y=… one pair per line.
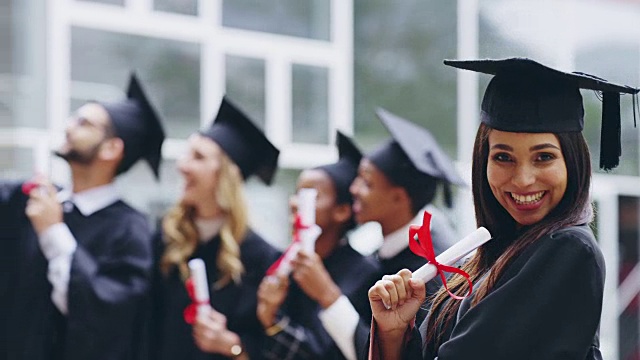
x=524, y=176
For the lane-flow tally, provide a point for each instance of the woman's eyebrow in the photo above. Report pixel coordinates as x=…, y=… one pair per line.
x=502, y=147
x=543, y=146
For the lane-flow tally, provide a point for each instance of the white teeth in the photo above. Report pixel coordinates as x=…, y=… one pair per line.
x=527, y=199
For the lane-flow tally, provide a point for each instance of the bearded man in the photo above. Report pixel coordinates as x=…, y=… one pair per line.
x=75, y=264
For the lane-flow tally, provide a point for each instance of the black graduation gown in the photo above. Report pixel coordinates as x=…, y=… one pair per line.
x=171, y=337
x=354, y=274
x=547, y=305
x=109, y=277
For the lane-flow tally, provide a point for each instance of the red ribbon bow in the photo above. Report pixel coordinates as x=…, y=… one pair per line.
x=298, y=226
x=191, y=310
x=420, y=243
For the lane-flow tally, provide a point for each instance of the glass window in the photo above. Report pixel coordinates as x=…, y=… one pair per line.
x=22, y=64
x=245, y=86
x=301, y=18
x=16, y=163
x=170, y=71
x=186, y=7
x=269, y=207
x=111, y=2
x=310, y=99
x=142, y=191
x=398, y=66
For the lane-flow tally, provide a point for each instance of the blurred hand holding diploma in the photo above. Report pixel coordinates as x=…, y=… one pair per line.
x=198, y=289
x=305, y=233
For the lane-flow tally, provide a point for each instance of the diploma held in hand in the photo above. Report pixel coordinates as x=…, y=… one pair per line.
x=200, y=285
x=307, y=212
x=454, y=253
x=305, y=232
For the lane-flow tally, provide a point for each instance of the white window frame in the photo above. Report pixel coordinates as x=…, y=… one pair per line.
x=279, y=53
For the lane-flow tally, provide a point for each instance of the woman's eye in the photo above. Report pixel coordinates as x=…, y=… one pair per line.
x=545, y=157
x=502, y=157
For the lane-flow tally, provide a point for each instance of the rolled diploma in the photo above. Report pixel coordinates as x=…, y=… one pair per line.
x=456, y=252
x=285, y=266
x=307, y=212
x=200, y=284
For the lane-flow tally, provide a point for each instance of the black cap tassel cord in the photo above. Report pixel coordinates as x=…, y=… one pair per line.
x=610, y=135
x=610, y=143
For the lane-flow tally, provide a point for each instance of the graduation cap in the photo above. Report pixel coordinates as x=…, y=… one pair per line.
x=413, y=159
x=345, y=170
x=526, y=96
x=243, y=142
x=138, y=125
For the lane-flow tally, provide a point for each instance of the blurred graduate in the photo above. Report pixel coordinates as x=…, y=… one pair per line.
x=210, y=221
x=292, y=312
x=394, y=183
x=76, y=263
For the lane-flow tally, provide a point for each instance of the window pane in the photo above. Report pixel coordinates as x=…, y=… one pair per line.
x=398, y=66
x=187, y=7
x=112, y=2
x=310, y=89
x=22, y=64
x=16, y=163
x=245, y=84
x=301, y=18
x=139, y=188
x=596, y=38
x=170, y=71
x=269, y=207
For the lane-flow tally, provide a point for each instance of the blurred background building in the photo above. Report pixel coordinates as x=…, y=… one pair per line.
x=303, y=68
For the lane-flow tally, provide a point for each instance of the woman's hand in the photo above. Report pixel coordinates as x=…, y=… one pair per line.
x=314, y=279
x=211, y=335
x=395, y=300
x=271, y=294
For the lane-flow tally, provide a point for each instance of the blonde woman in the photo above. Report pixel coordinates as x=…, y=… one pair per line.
x=210, y=222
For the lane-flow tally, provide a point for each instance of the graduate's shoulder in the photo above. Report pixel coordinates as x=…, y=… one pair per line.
x=11, y=190
x=579, y=239
x=123, y=210
x=568, y=248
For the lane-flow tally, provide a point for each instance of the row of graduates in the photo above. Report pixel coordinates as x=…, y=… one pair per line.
x=84, y=279
x=83, y=276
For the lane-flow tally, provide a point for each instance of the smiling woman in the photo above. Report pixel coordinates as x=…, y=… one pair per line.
x=527, y=174
x=538, y=285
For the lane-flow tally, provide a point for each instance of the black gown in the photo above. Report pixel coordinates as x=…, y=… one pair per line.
x=109, y=276
x=171, y=337
x=305, y=336
x=546, y=305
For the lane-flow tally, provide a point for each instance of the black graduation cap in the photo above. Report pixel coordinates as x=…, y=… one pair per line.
x=244, y=142
x=413, y=159
x=526, y=96
x=345, y=170
x=138, y=125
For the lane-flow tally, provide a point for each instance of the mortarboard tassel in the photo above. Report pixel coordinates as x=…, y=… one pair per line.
x=610, y=146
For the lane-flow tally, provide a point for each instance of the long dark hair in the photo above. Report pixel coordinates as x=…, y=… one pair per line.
x=508, y=241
